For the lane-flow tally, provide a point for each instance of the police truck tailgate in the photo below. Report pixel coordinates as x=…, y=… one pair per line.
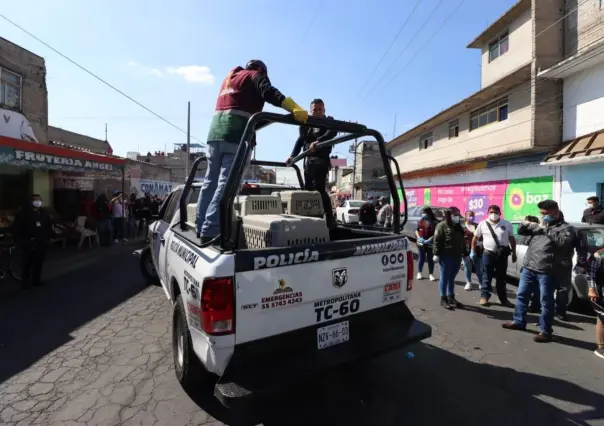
x=280, y=290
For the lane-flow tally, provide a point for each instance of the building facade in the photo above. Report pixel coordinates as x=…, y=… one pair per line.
x=487, y=149
x=579, y=162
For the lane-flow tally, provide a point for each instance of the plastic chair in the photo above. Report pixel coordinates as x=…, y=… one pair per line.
x=85, y=233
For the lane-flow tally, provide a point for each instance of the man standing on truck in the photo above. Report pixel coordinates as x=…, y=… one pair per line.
x=242, y=94
x=318, y=163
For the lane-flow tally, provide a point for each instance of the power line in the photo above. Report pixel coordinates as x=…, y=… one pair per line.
x=424, y=46
x=390, y=47
x=96, y=76
x=406, y=47
x=420, y=50
x=542, y=102
x=312, y=19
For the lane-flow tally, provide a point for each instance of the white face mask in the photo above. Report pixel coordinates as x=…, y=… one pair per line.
x=494, y=217
x=455, y=219
x=37, y=203
x=590, y=206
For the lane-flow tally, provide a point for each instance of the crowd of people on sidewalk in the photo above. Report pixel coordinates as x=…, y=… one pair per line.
x=486, y=247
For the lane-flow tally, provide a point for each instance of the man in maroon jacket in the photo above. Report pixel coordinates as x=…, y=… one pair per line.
x=242, y=94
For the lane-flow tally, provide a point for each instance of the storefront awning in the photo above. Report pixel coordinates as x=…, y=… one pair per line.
x=582, y=150
x=33, y=155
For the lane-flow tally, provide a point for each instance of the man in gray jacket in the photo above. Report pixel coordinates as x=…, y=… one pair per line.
x=549, y=254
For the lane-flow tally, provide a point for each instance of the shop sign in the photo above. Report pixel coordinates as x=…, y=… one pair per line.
x=81, y=183
x=153, y=187
x=51, y=161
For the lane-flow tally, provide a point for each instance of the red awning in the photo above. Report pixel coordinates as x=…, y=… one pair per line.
x=21, y=153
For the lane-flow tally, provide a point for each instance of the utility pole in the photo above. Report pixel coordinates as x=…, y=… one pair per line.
x=188, y=139
x=394, y=128
x=105, y=132
x=354, y=169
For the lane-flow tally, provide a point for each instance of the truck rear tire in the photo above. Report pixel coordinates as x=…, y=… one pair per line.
x=189, y=371
x=147, y=267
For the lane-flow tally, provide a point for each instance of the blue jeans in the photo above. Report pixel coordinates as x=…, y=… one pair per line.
x=562, y=282
x=448, y=267
x=532, y=282
x=220, y=161
x=424, y=253
x=493, y=266
x=467, y=267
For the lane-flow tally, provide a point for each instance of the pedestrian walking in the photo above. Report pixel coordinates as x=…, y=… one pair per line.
x=469, y=264
x=498, y=245
x=595, y=279
x=384, y=215
x=549, y=253
x=32, y=229
x=449, y=249
x=424, y=234
x=103, y=218
x=243, y=93
x=118, y=206
x=318, y=162
x=594, y=214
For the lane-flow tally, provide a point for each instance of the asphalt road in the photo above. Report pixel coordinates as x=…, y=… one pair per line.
x=93, y=348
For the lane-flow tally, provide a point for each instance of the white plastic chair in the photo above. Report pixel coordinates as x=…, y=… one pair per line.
x=85, y=233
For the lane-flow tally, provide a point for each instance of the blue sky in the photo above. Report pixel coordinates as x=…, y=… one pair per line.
x=156, y=51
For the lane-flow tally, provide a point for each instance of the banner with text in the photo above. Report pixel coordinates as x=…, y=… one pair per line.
x=516, y=197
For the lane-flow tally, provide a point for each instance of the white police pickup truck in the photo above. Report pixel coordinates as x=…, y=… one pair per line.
x=278, y=297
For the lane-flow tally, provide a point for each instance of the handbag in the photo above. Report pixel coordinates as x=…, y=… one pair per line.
x=501, y=251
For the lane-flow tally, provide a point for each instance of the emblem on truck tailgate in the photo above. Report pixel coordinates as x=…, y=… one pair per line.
x=339, y=277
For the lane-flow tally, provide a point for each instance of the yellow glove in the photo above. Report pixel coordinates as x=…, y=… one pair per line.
x=300, y=115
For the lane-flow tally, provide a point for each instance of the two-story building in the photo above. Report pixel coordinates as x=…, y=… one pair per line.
x=487, y=148
x=580, y=160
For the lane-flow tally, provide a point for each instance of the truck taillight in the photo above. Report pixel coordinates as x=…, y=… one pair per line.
x=217, y=306
x=409, y=270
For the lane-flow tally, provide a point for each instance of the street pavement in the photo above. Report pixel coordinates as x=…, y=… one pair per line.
x=93, y=347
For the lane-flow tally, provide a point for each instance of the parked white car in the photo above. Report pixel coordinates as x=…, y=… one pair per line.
x=348, y=212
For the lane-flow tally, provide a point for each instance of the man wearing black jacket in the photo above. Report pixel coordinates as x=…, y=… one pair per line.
x=318, y=163
x=32, y=229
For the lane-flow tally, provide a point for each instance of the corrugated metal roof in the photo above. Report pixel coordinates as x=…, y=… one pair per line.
x=582, y=149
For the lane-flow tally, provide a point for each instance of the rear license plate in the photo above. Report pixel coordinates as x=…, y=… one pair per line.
x=332, y=335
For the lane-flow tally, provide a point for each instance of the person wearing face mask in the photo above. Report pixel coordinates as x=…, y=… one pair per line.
x=469, y=231
x=318, y=163
x=547, y=261
x=594, y=213
x=32, y=230
x=424, y=235
x=449, y=249
x=595, y=279
x=498, y=244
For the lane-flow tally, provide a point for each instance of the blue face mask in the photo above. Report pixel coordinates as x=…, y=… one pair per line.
x=548, y=218
x=424, y=217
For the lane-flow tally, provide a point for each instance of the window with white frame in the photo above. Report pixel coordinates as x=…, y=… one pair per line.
x=426, y=140
x=499, y=46
x=492, y=113
x=453, y=129
x=10, y=89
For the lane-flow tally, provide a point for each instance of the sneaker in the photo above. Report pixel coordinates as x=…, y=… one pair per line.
x=468, y=287
x=419, y=276
x=116, y=241
x=125, y=240
x=562, y=317
x=484, y=301
x=432, y=278
x=513, y=326
x=599, y=353
x=542, y=338
x=445, y=303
